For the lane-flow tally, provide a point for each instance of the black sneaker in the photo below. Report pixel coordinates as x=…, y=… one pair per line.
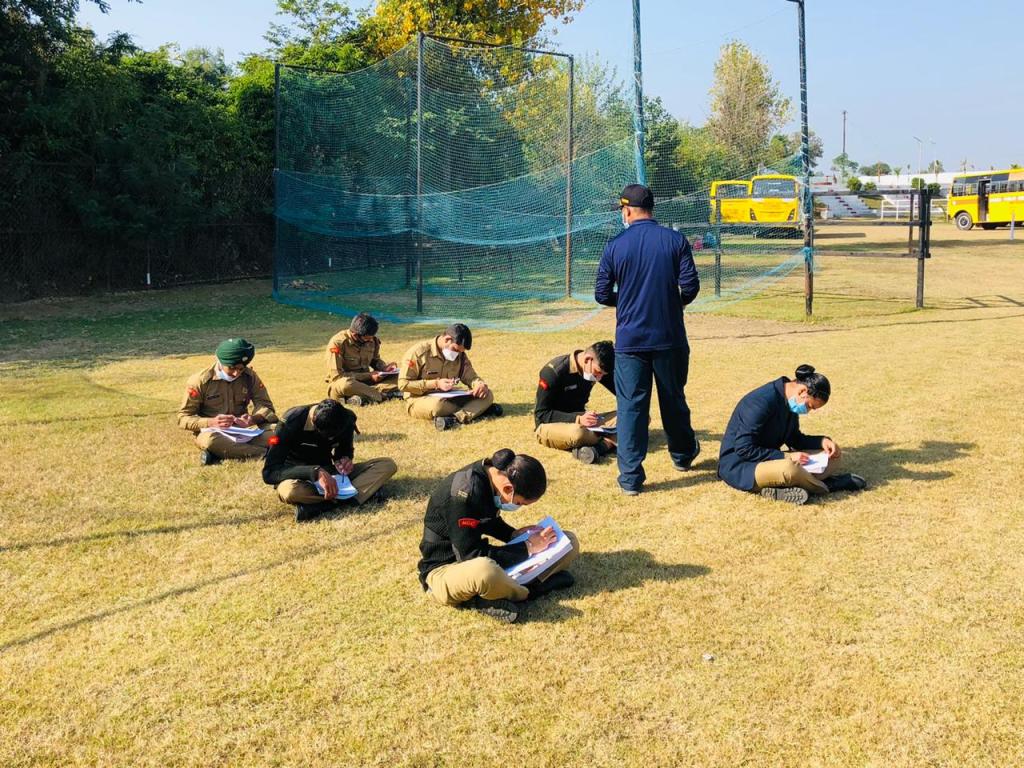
x=444, y=423
x=688, y=464
x=306, y=512
x=379, y=497
x=585, y=454
x=847, y=482
x=560, y=580
x=494, y=412
x=208, y=459
x=791, y=495
x=500, y=610
x=395, y=394
x=355, y=401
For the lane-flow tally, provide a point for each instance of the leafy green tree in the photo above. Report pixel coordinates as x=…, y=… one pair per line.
x=854, y=184
x=876, y=169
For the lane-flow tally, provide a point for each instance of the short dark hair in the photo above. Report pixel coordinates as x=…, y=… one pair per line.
x=460, y=334
x=526, y=474
x=817, y=385
x=364, y=324
x=331, y=418
x=604, y=351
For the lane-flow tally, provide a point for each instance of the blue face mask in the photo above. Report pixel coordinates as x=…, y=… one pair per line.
x=506, y=506
x=798, y=408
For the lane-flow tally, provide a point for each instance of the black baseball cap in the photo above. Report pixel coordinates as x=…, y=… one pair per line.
x=637, y=195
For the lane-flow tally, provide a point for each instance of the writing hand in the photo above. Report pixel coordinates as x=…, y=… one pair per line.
x=540, y=540
x=223, y=420
x=344, y=465
x=375, y=377
x=329, y=485
x=480, y=390
x=801, y=458
x=830, y=447
x=589, y=419
x=445, y=385
x=245, y=420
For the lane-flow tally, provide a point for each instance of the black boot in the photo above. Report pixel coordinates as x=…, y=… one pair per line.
x=306, y=512
x=208, y=459
x=847, y=482
x=560, y=580
x=501, y=610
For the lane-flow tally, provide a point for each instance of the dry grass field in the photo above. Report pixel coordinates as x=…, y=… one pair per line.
x=158, y=613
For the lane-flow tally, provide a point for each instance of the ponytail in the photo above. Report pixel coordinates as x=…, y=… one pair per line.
x=817, y=384
x=526, y=474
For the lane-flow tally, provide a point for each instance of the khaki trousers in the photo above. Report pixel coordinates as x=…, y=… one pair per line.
x=458, y=582
x=367, y=477
x=788, y=473
x=464, y=409
x=344, y=387
x=565, y=436
x=225, y=448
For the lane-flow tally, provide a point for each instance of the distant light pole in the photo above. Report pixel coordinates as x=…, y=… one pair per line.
x=844, y=133
x=920, y=146
x=805, y=152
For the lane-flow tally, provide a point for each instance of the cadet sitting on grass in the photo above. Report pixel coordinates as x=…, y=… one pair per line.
x=441, y=365
x=312, y=444
x=459, y=566
x=560, y=415
x=354, y=365
x=220, y=396
x=751, y=458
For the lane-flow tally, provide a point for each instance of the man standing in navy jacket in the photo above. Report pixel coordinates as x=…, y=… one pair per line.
x=647, y=273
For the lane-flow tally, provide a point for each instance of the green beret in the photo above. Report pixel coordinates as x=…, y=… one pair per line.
x=235, y=351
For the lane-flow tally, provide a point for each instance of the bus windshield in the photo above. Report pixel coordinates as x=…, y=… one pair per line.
x=774, y=188
x=731, y=190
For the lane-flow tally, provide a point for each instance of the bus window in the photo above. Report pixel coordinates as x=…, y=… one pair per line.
x=774, y=188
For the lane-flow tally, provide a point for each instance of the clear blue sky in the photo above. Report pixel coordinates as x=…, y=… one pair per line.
x=901, y=68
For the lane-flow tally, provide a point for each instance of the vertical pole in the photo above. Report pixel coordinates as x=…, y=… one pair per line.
x=844, y=133
x=638, y=92
x=568, y=185
x=924, y=242
x=718, y=245
x=1013, y=225
x=277, y=165
x=805, y=151
x=419, y=173
x=407, y=237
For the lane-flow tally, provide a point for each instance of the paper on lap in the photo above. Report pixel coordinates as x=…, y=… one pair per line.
x=818, y=463
x=542, y=562
x=236, y=434
x=452, y=393
x=345, y=488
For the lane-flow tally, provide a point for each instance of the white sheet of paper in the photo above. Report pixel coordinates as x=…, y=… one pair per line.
x=453, y=393
x=345, y=488
x=603, y=430
x=388, y=373
x=818, y=463
x=542, y=562
x=236, y=434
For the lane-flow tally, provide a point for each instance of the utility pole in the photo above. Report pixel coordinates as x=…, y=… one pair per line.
x=920, y=147
x=844, y=133
x=638, y=91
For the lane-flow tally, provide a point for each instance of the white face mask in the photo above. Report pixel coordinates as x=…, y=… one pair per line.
x=223, y=375
x=450, y=355
x=625, y=224
x=589, y=376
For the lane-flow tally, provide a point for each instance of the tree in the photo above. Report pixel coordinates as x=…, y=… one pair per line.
x=853, y=184
x=917, y=183
x=935, y=166
x=395, y=22
x=876, y=169
x=746, y=105
x=784, y=152
x=844, y=166
x=869, y=186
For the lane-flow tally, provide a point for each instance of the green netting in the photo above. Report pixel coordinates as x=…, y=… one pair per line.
x=433, y=186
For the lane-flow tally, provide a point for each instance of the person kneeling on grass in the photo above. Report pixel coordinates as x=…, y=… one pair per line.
x=751, y=458
x=560, y=413
x=459, y=566
x=312, y=444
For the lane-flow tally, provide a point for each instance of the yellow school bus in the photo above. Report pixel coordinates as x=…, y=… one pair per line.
x=989, y=199
x=775, y=199
x=733, y=195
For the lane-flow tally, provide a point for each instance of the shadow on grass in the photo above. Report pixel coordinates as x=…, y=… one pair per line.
x=881, y=463
x=187, y=589
x=600, y=572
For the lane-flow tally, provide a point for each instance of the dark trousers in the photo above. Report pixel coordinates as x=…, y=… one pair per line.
x=633, y=373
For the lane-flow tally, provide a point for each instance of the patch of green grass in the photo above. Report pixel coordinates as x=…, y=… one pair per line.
x=155, y=612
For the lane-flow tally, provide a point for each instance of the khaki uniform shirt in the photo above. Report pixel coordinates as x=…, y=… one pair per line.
x=207, y=396
x=423, y=364
x=348, y=358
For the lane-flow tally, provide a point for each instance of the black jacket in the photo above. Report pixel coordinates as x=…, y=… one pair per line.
x=563, y=393
x=460, y=512
x=760, y=425
x=298, y=452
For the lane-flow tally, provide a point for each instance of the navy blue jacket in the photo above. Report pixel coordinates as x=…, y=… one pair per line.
x=653, y=268
x=760, y=425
